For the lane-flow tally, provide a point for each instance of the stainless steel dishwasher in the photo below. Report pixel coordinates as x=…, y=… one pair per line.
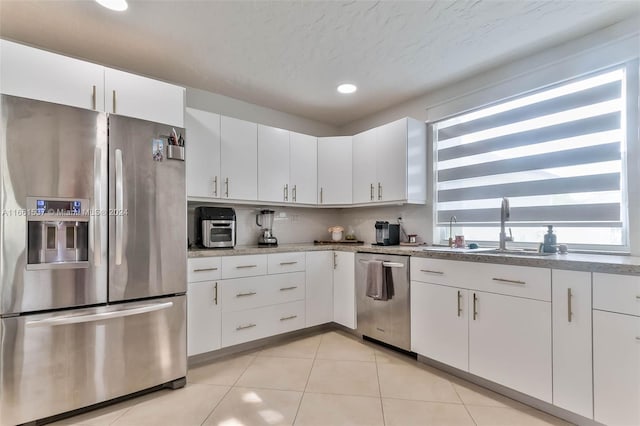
x=388, y=321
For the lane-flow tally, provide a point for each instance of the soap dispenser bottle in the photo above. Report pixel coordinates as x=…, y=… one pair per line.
x=549, y=241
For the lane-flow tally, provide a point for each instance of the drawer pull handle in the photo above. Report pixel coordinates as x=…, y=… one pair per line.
x=504, y=280
x=246, y=266
x=288, y=288
x=288, y=318
x=427, y=271
x=205, y=269
x=244, y=327
x=288, y=263
x=250, y=293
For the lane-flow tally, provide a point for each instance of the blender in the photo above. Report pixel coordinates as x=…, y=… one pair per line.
x=264, y=220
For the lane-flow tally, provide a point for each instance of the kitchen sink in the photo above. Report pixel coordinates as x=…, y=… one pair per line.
x=516, y=252
x=486, y=250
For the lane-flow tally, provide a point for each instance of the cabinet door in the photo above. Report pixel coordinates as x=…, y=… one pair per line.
x=203, y=153
x=37, y=74
x=365, y=181
x=391, y=151
x=303, y=168
x=510, y=342
x=141, y=97
x=334, y=170
x=238, y=159
x=344, y=290
x=203, y=318
x=319, y=286
x=616, y=368
x=440, y=323
x=572, y=361
x=273, y=164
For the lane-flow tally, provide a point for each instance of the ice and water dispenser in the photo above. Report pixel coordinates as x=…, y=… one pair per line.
x=57, y=233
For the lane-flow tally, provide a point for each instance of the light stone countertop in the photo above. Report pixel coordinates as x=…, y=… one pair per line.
x=607, y=263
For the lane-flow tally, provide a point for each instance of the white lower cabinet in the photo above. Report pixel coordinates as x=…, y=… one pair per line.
x=203, y=318
x=319, y=288
x=572, y=342
x=344, y=289
x=440, y=323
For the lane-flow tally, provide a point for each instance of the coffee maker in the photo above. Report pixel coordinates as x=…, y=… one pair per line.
x=264, y=220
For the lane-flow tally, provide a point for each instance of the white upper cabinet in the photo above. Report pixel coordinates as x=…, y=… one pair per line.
x=303, y=168
x=202, y=153
x=37, y=74
x=390, y=163
x=365, y=178
x=238, y=159
x=334, y=170
x=273, y=164
x=144, y=98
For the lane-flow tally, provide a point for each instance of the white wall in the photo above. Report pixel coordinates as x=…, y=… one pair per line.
x=231, y=107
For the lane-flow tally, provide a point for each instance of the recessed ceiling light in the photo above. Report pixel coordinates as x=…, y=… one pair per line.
x=347, y=88
x=117, y=5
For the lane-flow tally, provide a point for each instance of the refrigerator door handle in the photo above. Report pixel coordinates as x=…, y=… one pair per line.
x=119, y=207
x=97, y=206
x=75, y=319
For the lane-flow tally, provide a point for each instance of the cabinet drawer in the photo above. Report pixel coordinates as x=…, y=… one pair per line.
x=288, y=317
x=251, y=292
x=203, y=269
x=435, y=271
x=244, y=266
x=617, y=293
x=279, y=263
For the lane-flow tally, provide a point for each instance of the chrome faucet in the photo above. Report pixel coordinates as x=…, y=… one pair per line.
x=452, y=220
x=505, y=214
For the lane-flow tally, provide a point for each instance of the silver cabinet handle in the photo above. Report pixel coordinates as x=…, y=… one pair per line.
x=321, y=195
x=569, y=313
x=459, y=305
x=637, y=297
x=428, y=271
x=379, y=191
x=295, y=193
x=114, y=101
x=286, y=192
x=244, y=327
x=289, y=263
x=371, y=192
x=504, y=280
x=288, y=318
x=93, y=97
x=249, y=293
x=638, y=339
x=393, y=264
x=288, y=288
x=119, y=206
x=226, y=191
x=475, y=306
x=101, y=316
x=205, y=269
x=215, y=186
x=97, y=201
x=215, y=294
x=246, y=266
x=335, y=260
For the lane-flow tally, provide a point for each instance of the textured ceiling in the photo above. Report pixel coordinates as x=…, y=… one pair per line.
x=290, y=55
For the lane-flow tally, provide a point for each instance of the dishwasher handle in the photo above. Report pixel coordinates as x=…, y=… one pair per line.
x=387, y=264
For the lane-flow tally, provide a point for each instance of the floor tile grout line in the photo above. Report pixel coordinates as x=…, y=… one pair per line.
x=375, y=356
x=464, y=404
x=304, y=391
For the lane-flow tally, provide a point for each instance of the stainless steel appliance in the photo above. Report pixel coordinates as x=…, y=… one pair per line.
x=387, y=234
x=82, y=322
x=215, y=227
x=388, y=321
x=264, y=220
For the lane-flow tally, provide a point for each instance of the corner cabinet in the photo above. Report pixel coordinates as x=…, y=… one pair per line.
x=319, y=297
x=344, y=289
x=390, y=163
x=334, y=170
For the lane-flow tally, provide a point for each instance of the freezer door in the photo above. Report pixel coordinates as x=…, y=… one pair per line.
x=50, y=151
x=53, y=363
x=148, y=206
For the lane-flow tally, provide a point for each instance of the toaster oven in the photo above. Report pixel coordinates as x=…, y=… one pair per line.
x=215, y=227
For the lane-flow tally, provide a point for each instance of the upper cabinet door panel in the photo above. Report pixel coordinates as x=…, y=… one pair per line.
x=303, y=168
x=238, y=159
x=144, y=98
x=365, y=180
x=273, y=164
x=37, y=74
x=334, y=170
x=392, y=161
x=203, y=153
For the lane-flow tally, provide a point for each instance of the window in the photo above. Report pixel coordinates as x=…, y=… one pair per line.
x=557, y=154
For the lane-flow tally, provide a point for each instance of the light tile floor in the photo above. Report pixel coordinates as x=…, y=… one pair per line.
x=325, y=380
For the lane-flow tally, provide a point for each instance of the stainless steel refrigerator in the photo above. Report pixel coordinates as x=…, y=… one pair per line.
x=93, y=258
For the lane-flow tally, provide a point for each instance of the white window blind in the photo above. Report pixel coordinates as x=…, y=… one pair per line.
x=557, y=154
